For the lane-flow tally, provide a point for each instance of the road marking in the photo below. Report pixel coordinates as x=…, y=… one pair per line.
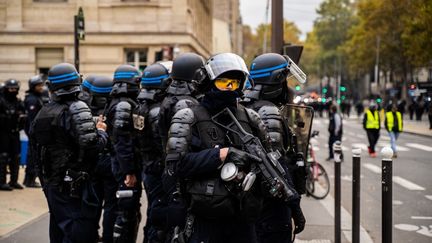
x=360, y=136
x=398, y=147
x=407, y=184
x=362, y=146
x=428, y=197
x=423, y=230
x=406, y=227
x=375, y=169
x=397, y=202
x=421, y=217
x=419, y=146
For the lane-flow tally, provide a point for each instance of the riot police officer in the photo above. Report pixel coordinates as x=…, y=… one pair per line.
x=12, y=118
x=123, y=125
x=97, y=93
x=66, y=144
x=154, y=82
x=183, y=90
x=199, y=146
x=33, y=102
x=269, y=72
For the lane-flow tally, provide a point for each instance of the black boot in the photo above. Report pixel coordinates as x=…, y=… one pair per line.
x=15, y=185
x=5, y=187
x=31, y=182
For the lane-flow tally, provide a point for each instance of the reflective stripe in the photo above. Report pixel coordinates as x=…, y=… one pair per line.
x=372, y=121
x=63, y=78
x=390, y=120
x=269, y=69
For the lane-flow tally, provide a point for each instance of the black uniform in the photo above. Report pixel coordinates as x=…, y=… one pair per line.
x=269, y=72
x=33, y=102
x=12, y=121
x=66, y=143
x=153, y=82
x=97, y=95
x=123, y=125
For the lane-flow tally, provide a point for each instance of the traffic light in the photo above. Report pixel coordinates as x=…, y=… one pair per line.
x=297, y=88
x=342, y=88
x=323, y=100
x=343, y=97
x=324, y=90
x=339, y=101
x=379, y=100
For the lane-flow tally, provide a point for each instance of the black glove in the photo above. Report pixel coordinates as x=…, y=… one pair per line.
x=299, y=219
x=240, y=158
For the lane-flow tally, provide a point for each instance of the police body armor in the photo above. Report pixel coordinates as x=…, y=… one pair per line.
x=150, y=146
x=12, y=116
x=124, y=117
x=61, y=149
x=281, y=138
x=209, y=196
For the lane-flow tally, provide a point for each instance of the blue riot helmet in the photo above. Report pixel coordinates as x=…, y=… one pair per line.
x=63, y=79
x=126, y=81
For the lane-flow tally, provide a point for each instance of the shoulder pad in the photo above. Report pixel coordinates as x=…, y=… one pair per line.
x=154, y=114
x=83, y=124
x=184, y=103
x=122, y=115
x=185, y=116
x=253, y=116
x=257, y=123
x=269, y=112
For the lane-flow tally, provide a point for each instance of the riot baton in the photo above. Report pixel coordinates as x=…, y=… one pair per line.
x=337, y=159
x=356, y=195
x=387, y=188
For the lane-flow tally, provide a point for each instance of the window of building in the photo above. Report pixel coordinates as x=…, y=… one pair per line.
x=47, y=57
x=137, y=58
x=50, y=1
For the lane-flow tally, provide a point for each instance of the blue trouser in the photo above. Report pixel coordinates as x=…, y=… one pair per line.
x=393, y=137
x=106, y=186
x=274, y=224
x=72, y=219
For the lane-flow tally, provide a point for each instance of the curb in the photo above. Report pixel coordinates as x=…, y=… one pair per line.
x=19, y=228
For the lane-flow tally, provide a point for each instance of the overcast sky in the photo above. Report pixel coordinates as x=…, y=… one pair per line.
x=301, y=12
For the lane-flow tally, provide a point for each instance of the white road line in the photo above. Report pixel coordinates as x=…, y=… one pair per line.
x=360, y=136
x=362, y=146
x=398, y=147
x=407, y=184
x=428, y=197
x=397, y=179
x=421, y=217
x=419, y=146
x=328, y=203
x=375, y=169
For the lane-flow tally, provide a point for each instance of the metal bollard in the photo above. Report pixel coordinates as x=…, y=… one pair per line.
x=387, y=197
x=337, y=149
x=356, y=195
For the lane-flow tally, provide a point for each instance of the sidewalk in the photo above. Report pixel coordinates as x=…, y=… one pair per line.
x=20, y=207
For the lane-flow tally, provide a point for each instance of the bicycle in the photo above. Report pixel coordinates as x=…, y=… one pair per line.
x=317, y=179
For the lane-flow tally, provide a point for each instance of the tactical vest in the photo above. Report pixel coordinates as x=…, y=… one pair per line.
x=210, y=197
x=58, y=151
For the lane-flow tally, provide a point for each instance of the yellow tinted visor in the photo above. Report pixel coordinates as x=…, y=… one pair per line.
x=227, y=83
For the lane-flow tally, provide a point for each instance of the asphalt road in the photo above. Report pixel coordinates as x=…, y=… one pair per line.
x=412, y=183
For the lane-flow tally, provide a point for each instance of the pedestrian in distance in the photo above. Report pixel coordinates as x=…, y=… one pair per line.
x=394, y=125
x=371, y=123
x=334, y=129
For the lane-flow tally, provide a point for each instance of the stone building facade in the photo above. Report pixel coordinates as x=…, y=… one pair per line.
x=36, y=34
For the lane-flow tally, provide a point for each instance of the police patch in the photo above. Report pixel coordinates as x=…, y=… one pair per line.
x=138, y=122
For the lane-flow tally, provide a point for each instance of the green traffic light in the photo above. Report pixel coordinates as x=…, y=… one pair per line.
x=323, y=100
x=297, y=87
x=379, y=100
x=343, y=97
x=342, y=88
x=338, y=101
x=324, y=90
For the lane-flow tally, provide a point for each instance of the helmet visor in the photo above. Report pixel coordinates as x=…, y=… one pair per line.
x=222, y=63
x=296, y=72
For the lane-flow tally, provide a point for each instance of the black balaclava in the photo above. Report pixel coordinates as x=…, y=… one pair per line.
x=10, y=95
x=216, y=100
